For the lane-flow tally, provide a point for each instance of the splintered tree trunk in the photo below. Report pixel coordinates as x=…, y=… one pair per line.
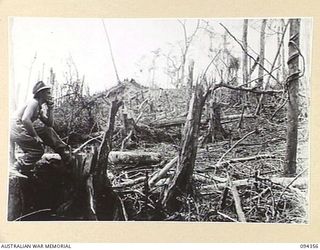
x=181, y=183
x=106, y=200
x=215, y=118
x=215, y=130
x=190, y=80
x=293, y=90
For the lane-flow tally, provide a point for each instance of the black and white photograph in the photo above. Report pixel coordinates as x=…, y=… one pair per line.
x=201, y=120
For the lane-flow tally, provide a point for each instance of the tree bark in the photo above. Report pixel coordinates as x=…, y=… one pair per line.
x=293, y=102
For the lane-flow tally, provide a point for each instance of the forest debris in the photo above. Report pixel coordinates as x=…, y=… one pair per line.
x=298, y=183
x=237, y=202
x=207, y=179
x=294, y=180
x=227, y=217
x=133, y=157
x=86, y=143
x=124, y=212
x=130, y=182
x=154, y=179
x=242, y=159
x=232, y=117
x=181, y=120
x=91, y=201
x=241, y=117
x=33, y=213
x=125, y=140
x=234, y=145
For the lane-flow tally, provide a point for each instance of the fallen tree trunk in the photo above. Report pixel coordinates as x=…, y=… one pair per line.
x=182, y=120
x=284, y=181
x=154, y=179
x=118, y=157
x=134, y=157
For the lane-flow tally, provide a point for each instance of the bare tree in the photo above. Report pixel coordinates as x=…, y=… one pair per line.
x=262, y=49
x=177, y=63
x=185, y=49
x=245, y=51
x=293, y=101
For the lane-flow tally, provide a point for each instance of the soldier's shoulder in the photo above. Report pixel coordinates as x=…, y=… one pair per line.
x=33, y=103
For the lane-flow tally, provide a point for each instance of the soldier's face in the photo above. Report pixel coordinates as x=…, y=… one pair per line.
x=47, y=94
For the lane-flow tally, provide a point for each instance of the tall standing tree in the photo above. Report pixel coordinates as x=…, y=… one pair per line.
x=262, y=49
x=293, y=102
x=245, y=51
x=283, y=28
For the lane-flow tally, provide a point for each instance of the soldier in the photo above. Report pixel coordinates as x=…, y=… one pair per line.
x=31, y=137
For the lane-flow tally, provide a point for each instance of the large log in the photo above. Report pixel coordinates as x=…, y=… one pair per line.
x=134, y=157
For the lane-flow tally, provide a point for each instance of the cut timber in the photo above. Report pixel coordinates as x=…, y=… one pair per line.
x=133, y=157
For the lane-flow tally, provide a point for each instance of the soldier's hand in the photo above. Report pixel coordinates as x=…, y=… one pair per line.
x=50, y=102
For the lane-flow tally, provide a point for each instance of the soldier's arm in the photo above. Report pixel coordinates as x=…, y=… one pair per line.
x=26, y=119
